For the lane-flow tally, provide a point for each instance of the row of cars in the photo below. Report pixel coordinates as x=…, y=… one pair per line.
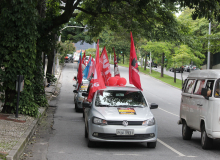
x=186, y=68
x=116, y=114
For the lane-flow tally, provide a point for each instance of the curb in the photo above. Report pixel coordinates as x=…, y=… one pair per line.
x=17, y=150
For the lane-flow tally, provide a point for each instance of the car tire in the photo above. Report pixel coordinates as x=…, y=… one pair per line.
x=86, y=133
x=83, y=114
x=151, y=144
x=206, y=142
x=76, y=108
x=186, y=131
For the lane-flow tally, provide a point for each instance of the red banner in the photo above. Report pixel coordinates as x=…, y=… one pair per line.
x=105, y=66
x=134, y=77
x=97, y=81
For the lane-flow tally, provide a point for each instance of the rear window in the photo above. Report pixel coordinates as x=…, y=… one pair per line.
x=190, y=86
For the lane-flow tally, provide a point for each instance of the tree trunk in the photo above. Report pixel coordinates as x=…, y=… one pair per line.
x=123, y=58
x=162, y=65
x=211, y=60
x=50, y=64
x=174, y=75
x=9, y=98
x=145, y=64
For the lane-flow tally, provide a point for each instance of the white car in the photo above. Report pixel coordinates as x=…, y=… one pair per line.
x=120, y=114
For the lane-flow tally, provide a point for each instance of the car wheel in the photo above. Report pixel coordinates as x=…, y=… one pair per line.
x=76, y=108
x=186, y=132
x=83, y=114
x=206, y=142
x=86, y=133
x=151, y=144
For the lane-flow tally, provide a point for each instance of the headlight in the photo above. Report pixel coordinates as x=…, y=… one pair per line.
x=149, y=122
x=99, y=121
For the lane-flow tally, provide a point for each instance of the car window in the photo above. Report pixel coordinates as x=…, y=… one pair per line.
x=217, y=89
x=209, y=86
x=199, y=85
x=115, y=98
x=190, y=86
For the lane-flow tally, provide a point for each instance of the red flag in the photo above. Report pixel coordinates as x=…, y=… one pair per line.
x=116, y=69
x=97, y=81
x=84, y=59
x=134, y=77
x=79, y=76
x=105, y=66
x=91, y=68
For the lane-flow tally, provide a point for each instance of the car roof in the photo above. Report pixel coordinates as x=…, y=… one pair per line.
x=121, y=88
x=209, y=73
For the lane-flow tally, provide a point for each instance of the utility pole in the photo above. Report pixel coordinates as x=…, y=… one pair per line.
x=208, y=54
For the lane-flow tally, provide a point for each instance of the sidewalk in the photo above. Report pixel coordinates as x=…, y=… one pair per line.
x=16, y=132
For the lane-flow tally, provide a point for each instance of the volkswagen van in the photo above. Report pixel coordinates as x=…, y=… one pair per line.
x=200, y=106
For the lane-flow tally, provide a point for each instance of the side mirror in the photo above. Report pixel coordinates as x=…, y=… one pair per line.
x=86, y=105
x=153, y=106
x=85, y=94
x=75, y=77
x=75, y=91
x=74, y=85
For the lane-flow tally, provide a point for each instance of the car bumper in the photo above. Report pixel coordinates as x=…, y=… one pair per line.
x=108, y=133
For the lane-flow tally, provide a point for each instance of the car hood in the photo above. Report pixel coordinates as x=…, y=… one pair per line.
x=119, y=113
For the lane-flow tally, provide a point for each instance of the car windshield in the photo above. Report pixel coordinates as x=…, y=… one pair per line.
x=115, y=98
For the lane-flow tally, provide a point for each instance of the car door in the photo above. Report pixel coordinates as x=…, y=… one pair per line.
x=187, y=102
x=197, y=103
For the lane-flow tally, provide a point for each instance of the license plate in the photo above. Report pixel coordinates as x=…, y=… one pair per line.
x=124, y=132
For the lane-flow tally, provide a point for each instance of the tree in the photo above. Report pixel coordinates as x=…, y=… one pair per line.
x=65, y=48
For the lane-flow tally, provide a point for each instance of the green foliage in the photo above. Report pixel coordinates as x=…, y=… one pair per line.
x=51, y=78
x=65, y=48
x=18, y=40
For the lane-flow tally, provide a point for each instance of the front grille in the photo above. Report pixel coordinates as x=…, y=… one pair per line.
x=123, y=137
x=129, y=122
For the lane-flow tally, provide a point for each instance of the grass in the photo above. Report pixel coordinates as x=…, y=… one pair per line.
x=167, y=79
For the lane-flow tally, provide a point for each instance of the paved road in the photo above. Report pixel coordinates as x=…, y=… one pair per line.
x=66, y=141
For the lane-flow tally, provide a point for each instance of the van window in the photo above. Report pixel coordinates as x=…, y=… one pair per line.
x=190, y=85
x=209, y=86
x=199, y=85
x=217, y=89
x=184, y=84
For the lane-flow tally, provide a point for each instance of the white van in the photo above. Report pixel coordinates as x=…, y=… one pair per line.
x=200, y=106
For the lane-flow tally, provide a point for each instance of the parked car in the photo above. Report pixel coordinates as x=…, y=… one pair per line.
x=179, y=69
x=78, y=97
x=199, y=107
x=69, y=58
x=120, y=114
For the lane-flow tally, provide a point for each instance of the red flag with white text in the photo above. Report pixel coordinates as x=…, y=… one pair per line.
x=105, y=66
x=116, y=69
x=97, y=81
x=134, y=77
x=79, y=76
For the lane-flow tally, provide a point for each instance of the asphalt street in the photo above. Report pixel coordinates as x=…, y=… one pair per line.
x=67, y=142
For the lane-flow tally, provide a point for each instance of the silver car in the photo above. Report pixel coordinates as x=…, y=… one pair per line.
x=78, y=98
x=120, y=114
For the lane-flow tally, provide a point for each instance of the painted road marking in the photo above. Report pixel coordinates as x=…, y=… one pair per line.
x=168, y=112
x=172, y=149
